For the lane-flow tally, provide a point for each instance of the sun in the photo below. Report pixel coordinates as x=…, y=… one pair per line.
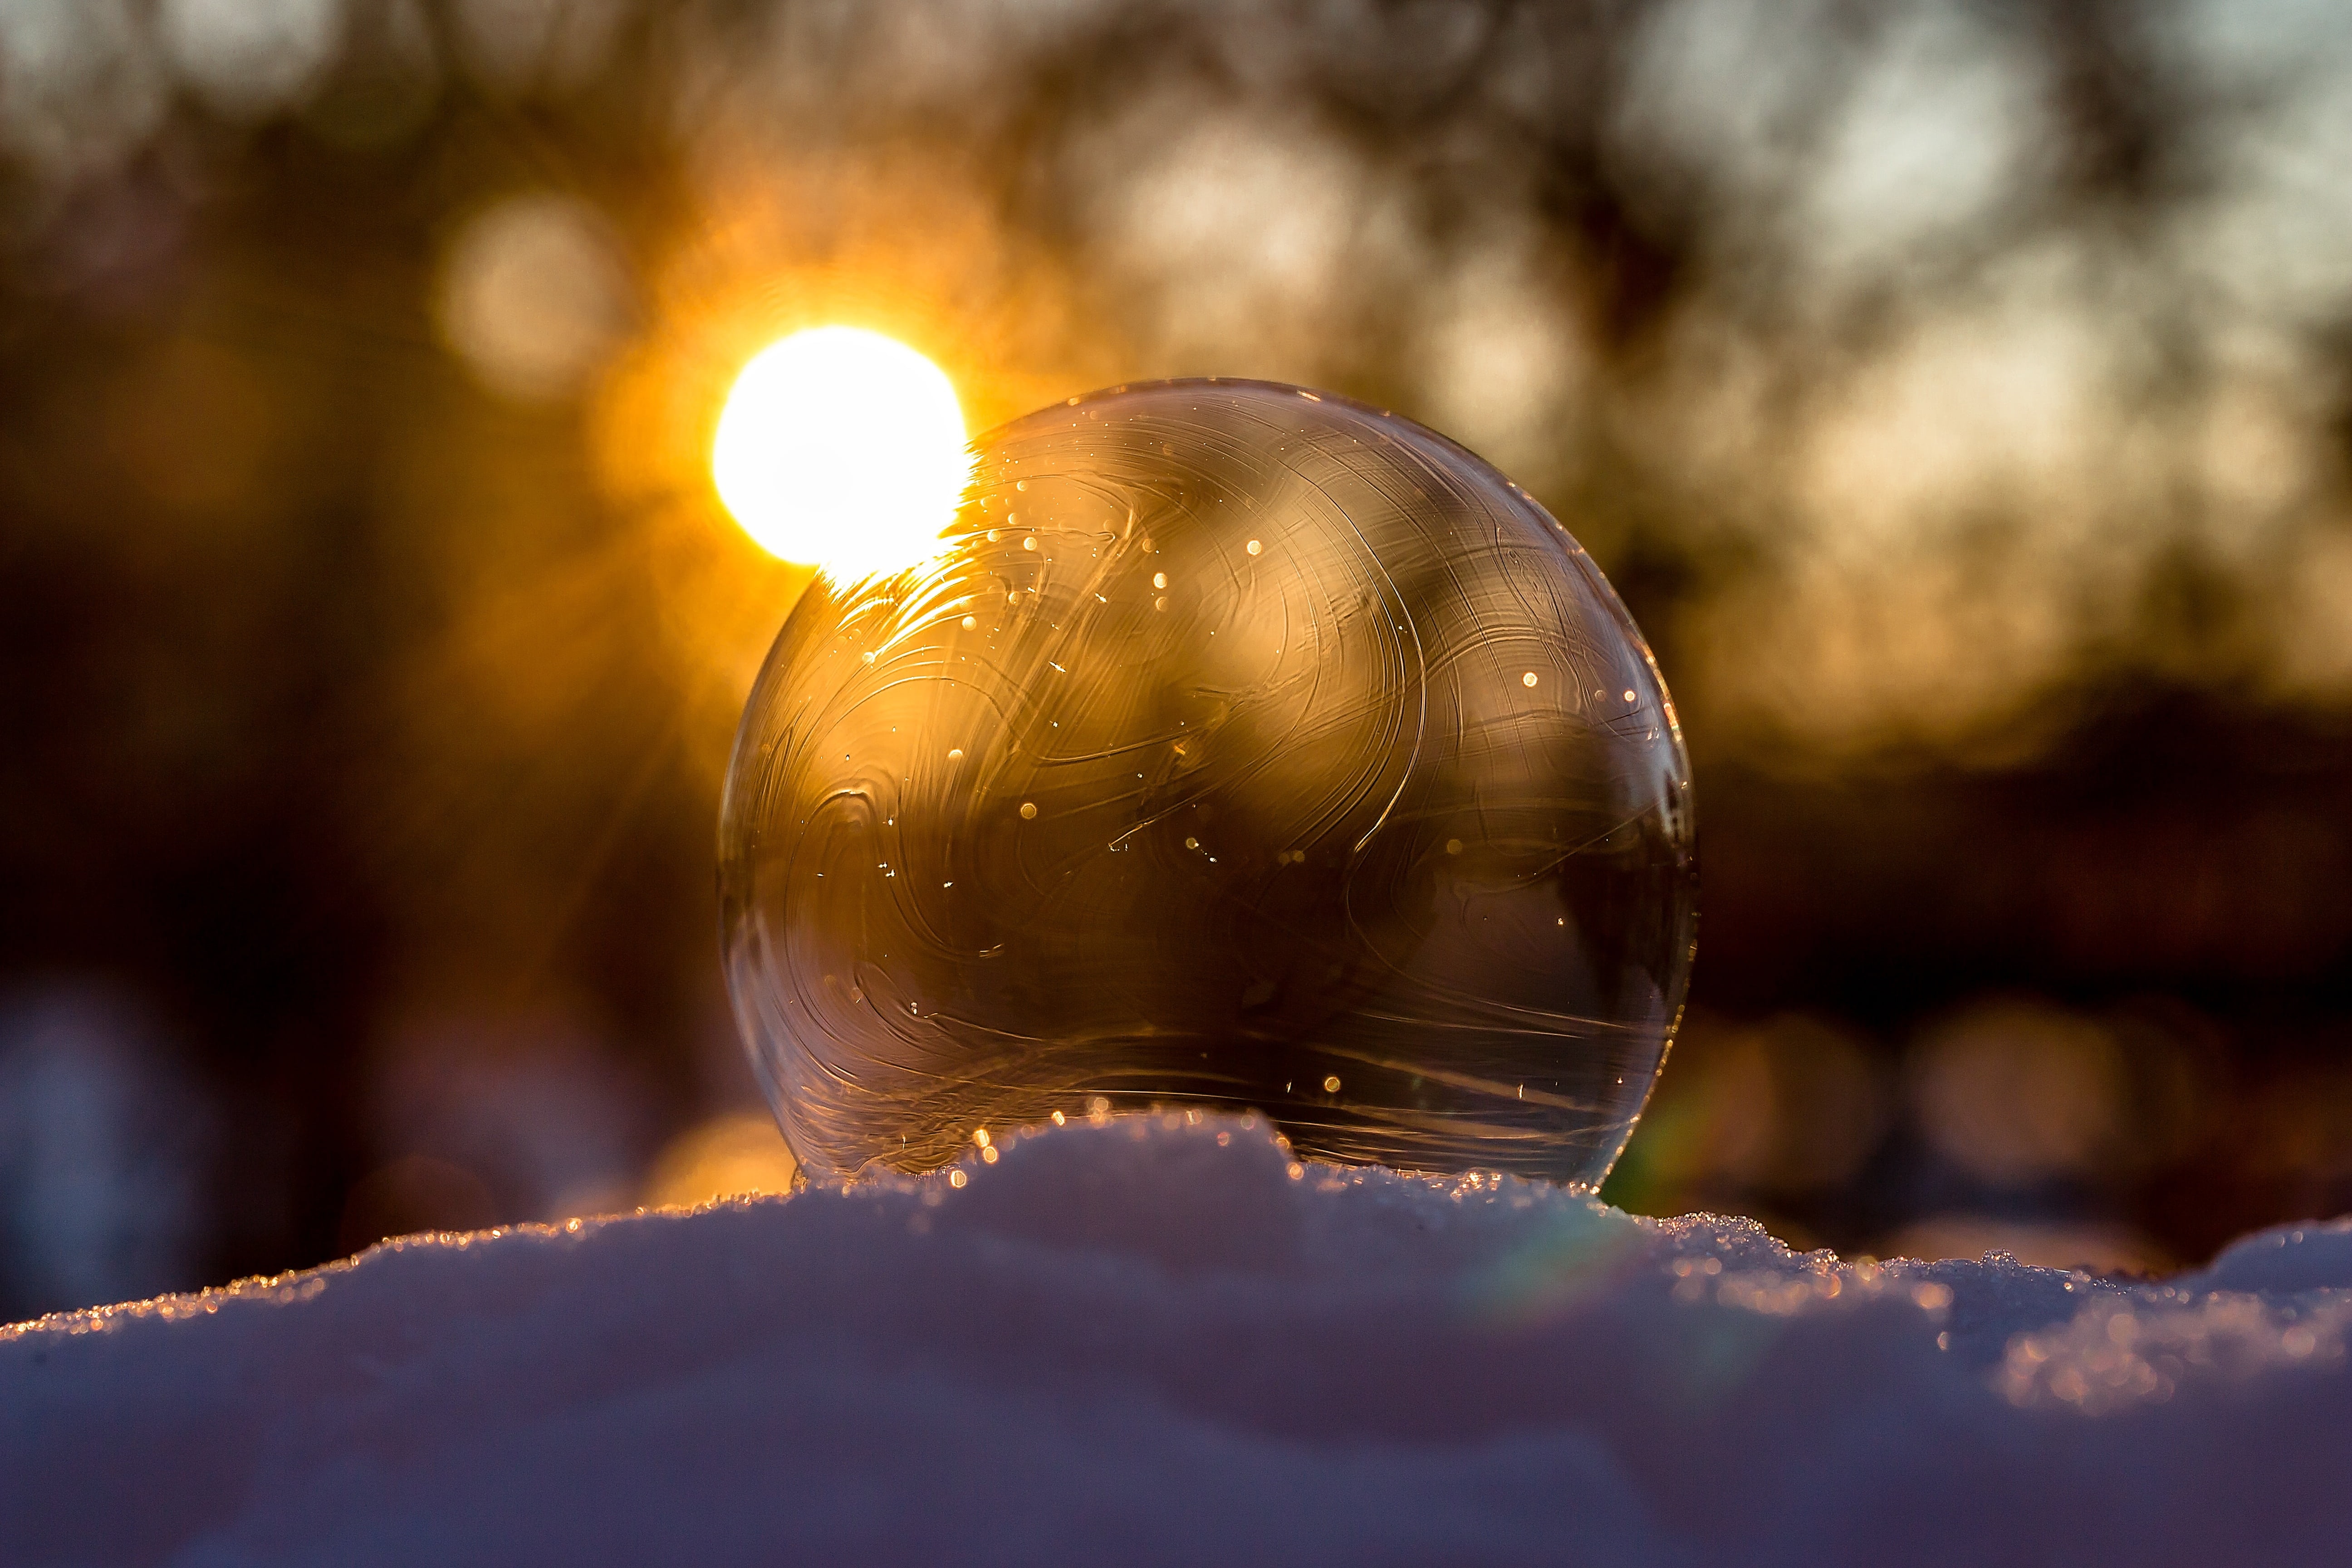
x=842, y=449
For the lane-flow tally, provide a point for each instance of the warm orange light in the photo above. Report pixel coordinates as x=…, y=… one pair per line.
x=842, y=449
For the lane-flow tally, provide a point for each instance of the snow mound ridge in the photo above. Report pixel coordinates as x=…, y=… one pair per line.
x=1160, y=1337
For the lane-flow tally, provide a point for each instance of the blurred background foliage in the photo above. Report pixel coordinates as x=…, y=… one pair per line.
x=1958, y=393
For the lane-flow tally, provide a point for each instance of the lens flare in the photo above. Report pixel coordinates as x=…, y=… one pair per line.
x=842, y=449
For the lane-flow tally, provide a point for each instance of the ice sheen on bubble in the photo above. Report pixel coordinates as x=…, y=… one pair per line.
x=1245, y=747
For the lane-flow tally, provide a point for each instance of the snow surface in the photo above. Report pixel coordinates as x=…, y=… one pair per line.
x=1159, y=1340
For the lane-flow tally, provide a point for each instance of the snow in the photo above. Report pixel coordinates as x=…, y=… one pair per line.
x=1159, y=1340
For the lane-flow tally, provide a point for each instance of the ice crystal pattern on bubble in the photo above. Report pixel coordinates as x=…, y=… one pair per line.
x=1243, y=748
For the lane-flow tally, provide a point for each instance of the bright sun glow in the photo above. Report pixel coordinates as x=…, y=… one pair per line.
x=843, y=449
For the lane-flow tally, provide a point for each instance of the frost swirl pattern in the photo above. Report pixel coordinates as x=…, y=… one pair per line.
x=1246, y=748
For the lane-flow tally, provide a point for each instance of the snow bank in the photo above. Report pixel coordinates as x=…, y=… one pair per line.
x=1157, y=1341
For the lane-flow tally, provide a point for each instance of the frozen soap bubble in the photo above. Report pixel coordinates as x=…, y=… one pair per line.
x=1245, y=747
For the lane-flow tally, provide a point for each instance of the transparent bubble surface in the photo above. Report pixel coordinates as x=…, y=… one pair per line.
x=1246, y=748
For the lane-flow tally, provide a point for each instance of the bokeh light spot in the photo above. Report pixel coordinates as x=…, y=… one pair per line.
x=533, y=296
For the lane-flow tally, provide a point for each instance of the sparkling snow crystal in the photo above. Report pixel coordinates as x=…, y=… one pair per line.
x=1162, y=1339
